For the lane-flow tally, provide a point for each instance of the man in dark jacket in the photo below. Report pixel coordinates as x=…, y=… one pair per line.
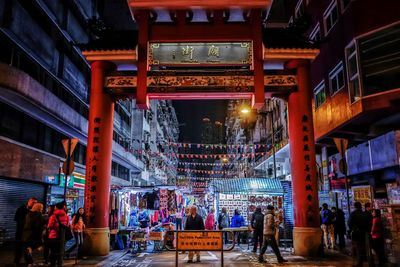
x=339, y=225
x=19, y=218
x=358, y=226
x=257, y=224
x=194, y=222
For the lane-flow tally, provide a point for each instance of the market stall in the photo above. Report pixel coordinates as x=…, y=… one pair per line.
x=139, y=215
x=246, y=194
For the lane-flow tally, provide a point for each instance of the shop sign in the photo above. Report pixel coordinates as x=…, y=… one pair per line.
x=202, y=241
x=362, y=194
x=393, y=192
x=76, y=180
x=215, y=53
x=52, y=179
x=72, y=193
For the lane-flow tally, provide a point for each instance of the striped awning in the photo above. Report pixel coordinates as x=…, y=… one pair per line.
x=247, y=185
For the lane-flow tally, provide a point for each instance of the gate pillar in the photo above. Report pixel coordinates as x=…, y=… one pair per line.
x=307, y=232
x=98, y=162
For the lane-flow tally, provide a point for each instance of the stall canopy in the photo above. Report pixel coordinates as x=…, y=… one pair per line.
x=247, y=186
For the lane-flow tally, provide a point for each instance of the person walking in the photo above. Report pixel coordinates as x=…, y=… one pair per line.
x=19, y=218
x=377, y=235
x=257, y=225
x=59, y=217
x=78, y=227
x=32, y=233
x=46, y=249
x=339, y=225
x=210, y=221
x=269, y=236
x=224, y=222
x=327, y=226
x=194, y=222
x=358, y=226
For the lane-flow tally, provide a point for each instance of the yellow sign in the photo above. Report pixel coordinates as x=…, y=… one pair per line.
x=204, y=241
x=362, y=194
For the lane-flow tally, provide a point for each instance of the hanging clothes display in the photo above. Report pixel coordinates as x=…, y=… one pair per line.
x=163, y=198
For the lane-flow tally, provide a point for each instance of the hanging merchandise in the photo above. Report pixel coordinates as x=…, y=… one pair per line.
x=163, y=198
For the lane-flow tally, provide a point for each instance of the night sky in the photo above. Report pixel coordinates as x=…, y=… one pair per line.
x=191, y=112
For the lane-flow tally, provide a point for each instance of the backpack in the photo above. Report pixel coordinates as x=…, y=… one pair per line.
x=64, y=230
x=326, y=217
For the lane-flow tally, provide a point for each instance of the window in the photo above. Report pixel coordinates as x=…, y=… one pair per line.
x=299, y=10
x=379, y=60
x=353, y=73
x=345, y=4
x=315, y=35
x=319, y=94
x=336, y=78
x=331, y=16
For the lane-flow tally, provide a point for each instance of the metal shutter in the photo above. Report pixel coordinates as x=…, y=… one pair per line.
x=13, y=194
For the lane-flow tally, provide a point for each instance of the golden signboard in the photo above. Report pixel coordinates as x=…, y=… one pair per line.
x=362, y=194
x=203, y=241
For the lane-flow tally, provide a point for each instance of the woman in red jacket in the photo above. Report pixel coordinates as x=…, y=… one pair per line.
x=59, y=216
x=378, y=241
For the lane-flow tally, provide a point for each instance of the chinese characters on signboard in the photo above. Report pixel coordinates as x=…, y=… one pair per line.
x=207, y=241
x=92, y=172
x=232, y=53
x=307, y=169
x=362, y=194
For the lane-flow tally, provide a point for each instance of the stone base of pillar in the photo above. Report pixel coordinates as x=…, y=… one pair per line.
x=97, y=242
x=306, y=241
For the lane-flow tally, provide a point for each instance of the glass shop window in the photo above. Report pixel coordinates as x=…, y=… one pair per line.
x=319, y=94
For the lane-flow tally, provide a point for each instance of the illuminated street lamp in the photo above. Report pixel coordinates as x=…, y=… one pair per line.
x=245, y=110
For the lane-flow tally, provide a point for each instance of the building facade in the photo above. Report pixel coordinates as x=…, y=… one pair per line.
x=44, y=95
x=355, y=81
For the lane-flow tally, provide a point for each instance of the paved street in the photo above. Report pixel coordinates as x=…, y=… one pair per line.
x=234, y=258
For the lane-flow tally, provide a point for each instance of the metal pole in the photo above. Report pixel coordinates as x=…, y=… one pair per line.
x=176, y=248
x=345, y=176
x=68, y=161
x=273, y=141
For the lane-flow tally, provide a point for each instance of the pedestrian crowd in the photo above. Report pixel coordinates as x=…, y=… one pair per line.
x=366, y=232
x=47, y=233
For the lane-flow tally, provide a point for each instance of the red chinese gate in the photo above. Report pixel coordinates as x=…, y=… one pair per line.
x=213, y=60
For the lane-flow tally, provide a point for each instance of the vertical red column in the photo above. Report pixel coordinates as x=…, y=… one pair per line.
x=142, y=19
x=307, y=233
x=98, y=162
x=258, y=98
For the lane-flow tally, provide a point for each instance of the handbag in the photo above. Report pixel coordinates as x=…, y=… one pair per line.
x=64, y=230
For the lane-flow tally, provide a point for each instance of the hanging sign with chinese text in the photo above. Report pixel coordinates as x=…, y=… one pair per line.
x=200, y=241
x=219, y=54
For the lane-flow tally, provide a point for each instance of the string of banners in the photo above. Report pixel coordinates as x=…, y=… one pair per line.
x=203, y=171
x=221, y=146
x=206, y=178
x=202, y=156
x=207, y=164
